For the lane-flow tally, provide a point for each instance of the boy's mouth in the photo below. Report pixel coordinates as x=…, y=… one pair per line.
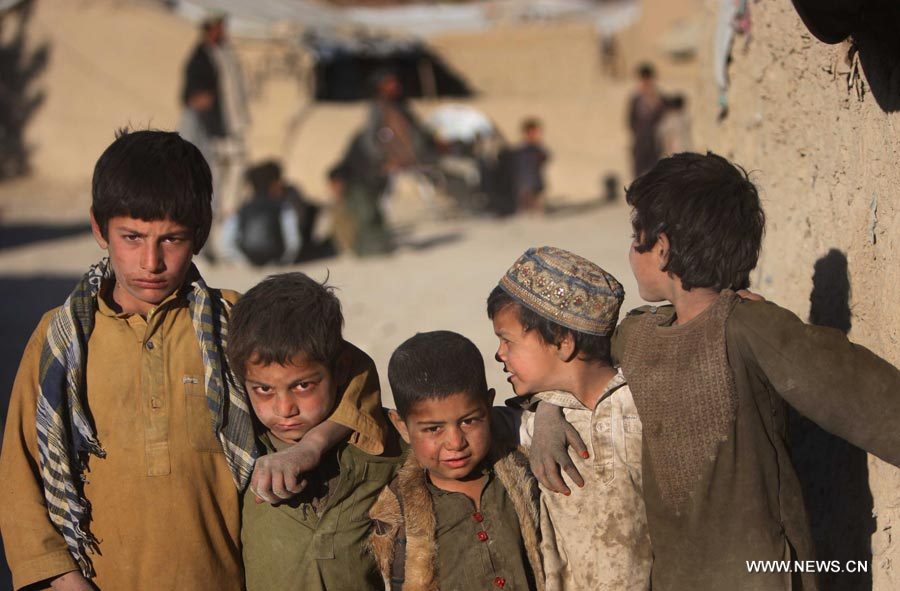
x=151, y=283
x=456, y=462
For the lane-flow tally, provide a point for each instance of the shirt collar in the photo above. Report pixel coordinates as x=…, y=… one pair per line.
x=485, y=469
x=105, y=296
x=568, y=400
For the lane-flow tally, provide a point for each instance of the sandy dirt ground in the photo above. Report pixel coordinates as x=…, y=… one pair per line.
x=130, y=74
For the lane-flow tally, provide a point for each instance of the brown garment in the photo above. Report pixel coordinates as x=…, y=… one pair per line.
x=747, y=504
x=688, y=413
x=164, y=504
x=409, y=515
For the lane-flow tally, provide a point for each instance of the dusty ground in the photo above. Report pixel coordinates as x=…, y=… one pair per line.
x=95, y=83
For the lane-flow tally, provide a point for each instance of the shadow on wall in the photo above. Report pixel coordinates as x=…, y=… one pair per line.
x=872, y=25
x=834, y=474
x=20, y=66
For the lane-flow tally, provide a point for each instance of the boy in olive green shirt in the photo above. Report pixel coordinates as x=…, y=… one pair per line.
x=462, y=512
x=285, y=345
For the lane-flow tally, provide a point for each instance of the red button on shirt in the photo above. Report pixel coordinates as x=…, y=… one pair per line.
x=477, y=516
x=482, y=535
x=500, y=582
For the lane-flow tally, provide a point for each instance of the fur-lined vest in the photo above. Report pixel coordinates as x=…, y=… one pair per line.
x=404, y=518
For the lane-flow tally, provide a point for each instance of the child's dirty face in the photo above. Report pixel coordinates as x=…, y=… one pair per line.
x=449, y=436
x=290, y=399
x=150, y=259
x=529, y=361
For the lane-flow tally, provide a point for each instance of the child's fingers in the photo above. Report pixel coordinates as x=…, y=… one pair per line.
x=290, y=483
x=749, y=295
x=261, y=483
x=553, y=480
x=574, y=474
x=278, y=487
x=575, y=442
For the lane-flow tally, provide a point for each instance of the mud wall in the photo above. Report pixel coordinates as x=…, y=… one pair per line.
x=803, y=117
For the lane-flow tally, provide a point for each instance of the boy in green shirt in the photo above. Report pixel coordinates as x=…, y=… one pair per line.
x=286, y=346
x=462, y=512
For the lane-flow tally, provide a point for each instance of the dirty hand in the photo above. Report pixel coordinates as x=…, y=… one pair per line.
x=553, y=435
x=276, y=476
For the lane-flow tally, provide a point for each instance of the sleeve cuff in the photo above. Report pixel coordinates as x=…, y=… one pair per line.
x=42, y=568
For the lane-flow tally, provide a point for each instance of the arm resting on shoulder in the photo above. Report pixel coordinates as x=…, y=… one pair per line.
x=358, y=415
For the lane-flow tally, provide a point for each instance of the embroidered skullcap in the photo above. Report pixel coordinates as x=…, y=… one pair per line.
x=565, y=288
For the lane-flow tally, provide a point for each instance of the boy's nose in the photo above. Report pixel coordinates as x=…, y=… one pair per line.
x=456, y=440
x=151, y=259
x=284, y=406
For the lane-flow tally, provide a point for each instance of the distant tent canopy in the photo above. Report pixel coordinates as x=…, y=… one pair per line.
x=343, y=68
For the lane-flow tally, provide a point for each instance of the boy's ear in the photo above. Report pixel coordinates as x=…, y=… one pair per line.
x=661, y=248
x=566, y=347
x=98, y=233
x=491, y=393
x=399, y=424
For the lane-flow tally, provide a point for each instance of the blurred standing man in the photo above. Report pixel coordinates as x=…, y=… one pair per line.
x=215, y=101
x=645, y=110
x=394, y=140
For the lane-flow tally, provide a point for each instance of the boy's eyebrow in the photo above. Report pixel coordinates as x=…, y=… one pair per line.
x=431, y=422
x=315, y=375
x=468, y=415
x=128, y=230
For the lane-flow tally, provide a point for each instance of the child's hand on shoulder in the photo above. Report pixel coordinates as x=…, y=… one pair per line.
x=746, y=294
x=549, y=452
x=276, y=476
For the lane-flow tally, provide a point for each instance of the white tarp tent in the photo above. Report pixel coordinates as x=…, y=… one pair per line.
x=263, y=18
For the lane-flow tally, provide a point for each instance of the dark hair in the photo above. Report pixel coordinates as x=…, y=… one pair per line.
x=262, y=176
x=153, y=175
x=674, y=102
x=588, y=347
x=435, y=365
x=646, y=70
x=281, y=317
x=530, y=123
x=711, y=214
x=212, y=21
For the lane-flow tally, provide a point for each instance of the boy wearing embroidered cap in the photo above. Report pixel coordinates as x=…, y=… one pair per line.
x=554, y=312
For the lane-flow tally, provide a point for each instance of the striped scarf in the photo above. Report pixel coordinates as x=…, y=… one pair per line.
x=66, y=435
